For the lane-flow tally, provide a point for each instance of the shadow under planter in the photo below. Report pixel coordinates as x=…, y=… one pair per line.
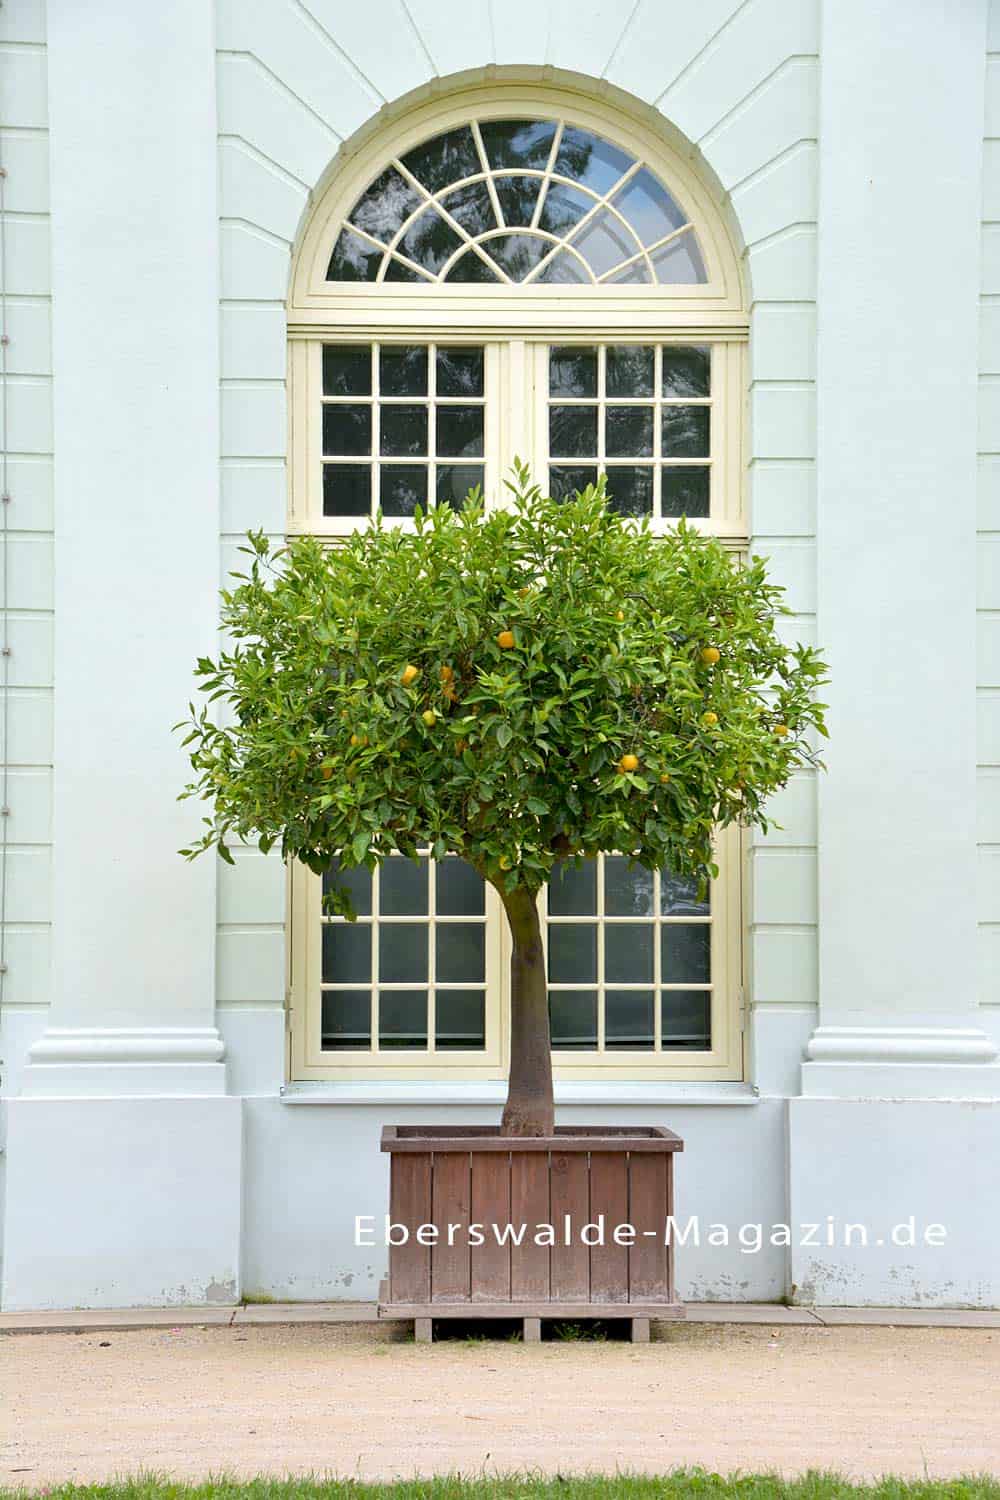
x=570, y=1225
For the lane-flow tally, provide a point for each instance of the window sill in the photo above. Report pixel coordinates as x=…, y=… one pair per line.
x=433, y=1093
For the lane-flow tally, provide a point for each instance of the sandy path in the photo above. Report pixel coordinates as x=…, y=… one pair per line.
x=354, y=1401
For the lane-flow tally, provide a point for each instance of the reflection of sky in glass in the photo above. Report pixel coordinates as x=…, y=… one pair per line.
x=517, y=143
x=648, y=207
x=680, y=261
x=385, y=205
x=605, y=242
x=588, y=159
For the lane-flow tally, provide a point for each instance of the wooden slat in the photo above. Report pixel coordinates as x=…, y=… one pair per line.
x=648, y=1259
x=450, y=1194
x=490, y=1262
x=403, y=1138
x=529, y=1204
x=569, y=1194
x=410, y=1204
x=609, y=1197
x=671, y=1256
x=561, y=1310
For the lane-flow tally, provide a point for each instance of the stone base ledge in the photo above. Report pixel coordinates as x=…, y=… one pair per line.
x=123, y=1061
x=901, y=1062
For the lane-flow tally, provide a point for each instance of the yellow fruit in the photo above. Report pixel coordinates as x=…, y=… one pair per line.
x=710, y=655
x=523, y=593
x=505, y=640
x=628, y=763
x=461, y=746
x=355, y=739
x=429, y=717
x=620, y=615
x=504, y=862
x=410, y=674
x=665, y=778
x=710, y=718
x=447, y=674
x=327, y=772
x=781, y=730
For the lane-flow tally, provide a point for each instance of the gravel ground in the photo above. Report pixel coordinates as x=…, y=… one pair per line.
x=349, y=1400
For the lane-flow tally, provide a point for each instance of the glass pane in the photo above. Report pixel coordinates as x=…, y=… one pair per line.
x=460, y=891
x=588, y=159
x=347, y=429
x=679, y=263
x=472, y=207
x=648, y=207
x=686, y=371
x=347, y=952
x=459, y=1020
x=382, y=208
x=347, y=489
x=564, y=480
x=572, y=431
x=357, y=881
x=573, y=889
x=567, y=269
x=402, y=888
x=353, y=259
x=630, y=370
x=628, y=953
x=402, y=370
x=402, y=1019
x=517, y=254
x=604, y=242
x=630, y=490
x=679, y=896
x=684, y=492
x=685, y=953
x=446, y=158
x=396, y=271
x=347, y=370
x=628, y=888
x=430, y=241
x=460, y=372
x=572, y=953
x=346, y=1019
x=563, y=207
x=403, y=431
x=402, y=487
x=460, y=953
x=517, y=143
x=686, y=1019
x=402, y=953
x=685, y=431
x=629, y=431
x=573, y=1020
x=471, y=267
x=629, y=1020
x=572, y=372
x=518, y=196
x=460, y=431
x=637, y=274
x=454, y=481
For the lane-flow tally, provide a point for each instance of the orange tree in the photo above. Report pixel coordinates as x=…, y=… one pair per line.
x=520, y=687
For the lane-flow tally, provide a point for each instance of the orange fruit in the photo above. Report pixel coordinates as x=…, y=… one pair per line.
x=710, y=655
x=410, y=674
x=447, y=674
x=505, y=640
x=628, y=763
x=355, y=739
x=327, y=772
x=710, y=718
x=665, y=778
x=620, y=615
x=429, y=717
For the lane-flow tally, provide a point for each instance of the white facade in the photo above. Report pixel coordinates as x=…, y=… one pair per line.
x=160, y=171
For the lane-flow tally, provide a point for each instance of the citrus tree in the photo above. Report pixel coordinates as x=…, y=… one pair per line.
x=520, y=687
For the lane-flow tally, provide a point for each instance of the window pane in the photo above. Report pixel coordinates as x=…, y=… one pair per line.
x=628, y=888
x=563, y=207
x=685, y=953
x=567, y=481
x=565, y=268
x=460, y=372
x=685, y=431
x=402, y=953
x=459, y=1020
x=572, y=372
x=402, y=370
x=382, y=208
x=518, y=143
x=628, y=1020
x=637, y=274
x=472, y=207
x=686, y=1018
x=630, y=370
x=402, y=888
x=444, y=159
x=356, y=880
x=347, y=953
x=630, y=490
x=648, y=207
x=460, y=952
x=572, y=953
x=628, y=953
x=573, y=889
x=460, y=431
x=347, y=370
x=679, y=896
x=430, y=241
x=460, y=891
x=347, y=489
x=402, y=487
x=684, y=492
x=347, y=429
x=402, y=1019
x=604, y=242
x=679, y=263
x=573, y=1020
x=518, y=196
x=629, y=430
x=686, y=371
x=588, y=159
x=454, y=481
x=353, y=259
x=346, y=1019
x=572, y=431
x=403, y=431
x=471, y=267
x=517, y=254
x=396, y=271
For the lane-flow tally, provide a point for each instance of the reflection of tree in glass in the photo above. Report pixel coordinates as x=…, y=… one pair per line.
x=518, y=196
x=470, y=206
x=353, y=259
x=471, y=267
x=517, y=254
x=446, y=158
x=430, y=240
x=382, y=208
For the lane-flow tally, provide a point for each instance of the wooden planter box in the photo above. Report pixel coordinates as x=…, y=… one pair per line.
x=462, y=1175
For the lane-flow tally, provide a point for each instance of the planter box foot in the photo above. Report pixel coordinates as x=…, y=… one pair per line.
x=423, y=1330
x=640, y=1330
x=532, y=1330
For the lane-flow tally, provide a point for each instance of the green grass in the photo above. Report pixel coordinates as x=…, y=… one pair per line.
x=675, y=1486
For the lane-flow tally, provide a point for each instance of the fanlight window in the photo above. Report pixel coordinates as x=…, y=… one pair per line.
x=524, y=201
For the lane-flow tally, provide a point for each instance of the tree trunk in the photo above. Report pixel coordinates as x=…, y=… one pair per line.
x=529, y=1109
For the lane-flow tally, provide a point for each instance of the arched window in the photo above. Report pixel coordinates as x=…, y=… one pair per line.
x=530, y=273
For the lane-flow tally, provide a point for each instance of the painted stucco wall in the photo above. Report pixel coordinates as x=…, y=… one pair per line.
x=988, y=548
